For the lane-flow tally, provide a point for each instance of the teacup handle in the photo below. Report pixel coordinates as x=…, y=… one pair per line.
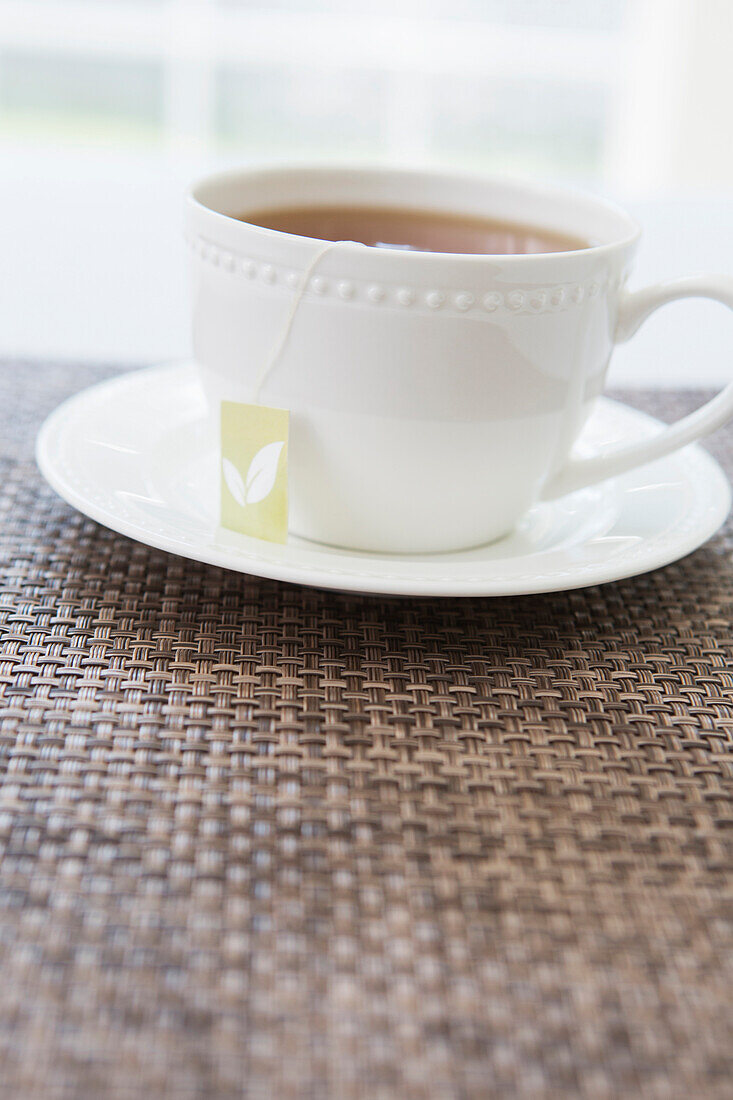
x=633, y=309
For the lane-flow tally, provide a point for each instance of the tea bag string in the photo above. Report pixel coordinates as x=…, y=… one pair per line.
x=272, y=361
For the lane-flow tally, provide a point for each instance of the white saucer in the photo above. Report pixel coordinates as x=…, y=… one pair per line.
x=134, y=454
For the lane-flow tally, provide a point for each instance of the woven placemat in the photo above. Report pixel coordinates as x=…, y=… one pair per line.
x=266, y=841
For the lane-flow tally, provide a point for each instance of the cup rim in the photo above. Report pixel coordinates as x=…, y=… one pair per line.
x=531, y=188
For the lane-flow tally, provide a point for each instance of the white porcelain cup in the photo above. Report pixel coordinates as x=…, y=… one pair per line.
x=434, y=397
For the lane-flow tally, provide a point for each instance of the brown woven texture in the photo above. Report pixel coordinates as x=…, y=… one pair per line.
x=266, y=841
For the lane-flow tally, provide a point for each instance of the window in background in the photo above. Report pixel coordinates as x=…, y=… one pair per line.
x=498, y=84
x=298, y=111
x=63, y=97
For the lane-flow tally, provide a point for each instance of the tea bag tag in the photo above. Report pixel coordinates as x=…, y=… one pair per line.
x=254, y=470
x=254, y=445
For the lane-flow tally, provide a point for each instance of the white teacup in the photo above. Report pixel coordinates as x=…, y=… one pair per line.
x=434, y=397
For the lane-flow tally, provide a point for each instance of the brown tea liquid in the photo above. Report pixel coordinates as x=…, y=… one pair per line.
x=416, y=230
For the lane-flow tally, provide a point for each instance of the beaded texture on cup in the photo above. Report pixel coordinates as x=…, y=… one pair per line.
x=527, y=299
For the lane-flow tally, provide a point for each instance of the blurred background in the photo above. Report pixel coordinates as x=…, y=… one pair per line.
x=109, y=107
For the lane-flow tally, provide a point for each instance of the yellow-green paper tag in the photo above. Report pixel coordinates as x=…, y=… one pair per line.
x=254, y=470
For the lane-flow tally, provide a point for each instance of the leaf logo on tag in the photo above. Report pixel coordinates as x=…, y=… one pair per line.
x=257, y=503
x=260, y=475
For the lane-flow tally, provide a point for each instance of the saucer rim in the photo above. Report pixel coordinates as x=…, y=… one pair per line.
x=263, y=559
